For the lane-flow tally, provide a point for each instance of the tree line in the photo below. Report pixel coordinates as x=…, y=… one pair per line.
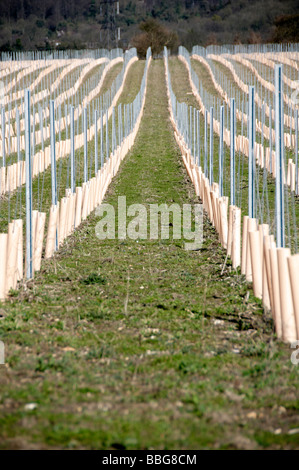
x=48, y=24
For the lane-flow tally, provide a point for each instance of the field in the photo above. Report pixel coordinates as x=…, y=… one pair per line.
x=140, y=343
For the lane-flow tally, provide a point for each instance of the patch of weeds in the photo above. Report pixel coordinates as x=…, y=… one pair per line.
x=255, y=350
x=13, y=360
x=186, y=367
x=94, y=279
x=244, y=325
x=162, y=307
x=99, y=353
x=256, y=371
x=187, y=349
x=57, y=365
x=93, y=314
x=196, y=401
x=13, y=293
x=282, y=441
x=59, y=325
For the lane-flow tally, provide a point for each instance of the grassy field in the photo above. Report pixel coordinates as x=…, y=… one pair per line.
x=142, y=344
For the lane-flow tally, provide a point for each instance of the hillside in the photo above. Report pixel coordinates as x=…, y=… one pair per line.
x=31, y=24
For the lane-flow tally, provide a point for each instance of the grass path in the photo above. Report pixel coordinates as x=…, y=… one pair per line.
x=141, y=344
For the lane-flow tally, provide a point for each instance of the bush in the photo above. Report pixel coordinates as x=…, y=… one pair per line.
x=287, y=29
x=156, y=36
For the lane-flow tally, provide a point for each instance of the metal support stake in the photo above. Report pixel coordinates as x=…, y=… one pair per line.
x=270, y=137
x=53, y=160
x=198, y=138
x=211, y=145
x=221, y=152
x=107, y=136
x=18, y=135
x=296, y=152
x=96, y=164
x=85, y=145
x=28, y=163
x=206, y=144
x=3, y=136
x=251, y=160
x=279, y=157
x=232, y=153
x=102, y=141
x=73, y=166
